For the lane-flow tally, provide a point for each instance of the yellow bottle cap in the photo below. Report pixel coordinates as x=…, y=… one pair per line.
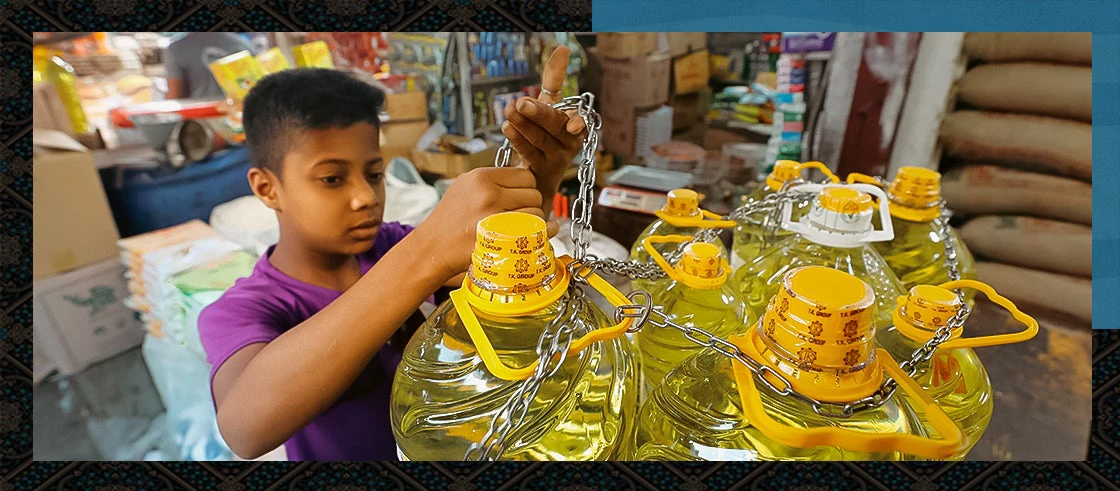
x=818, y=330
x=924, y=310
x=915, y=193
x=783, y=172
x=703, y=265
x=845, y=200
x=513, y=268
x=682, y=203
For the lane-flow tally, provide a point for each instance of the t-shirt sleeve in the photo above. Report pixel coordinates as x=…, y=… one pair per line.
x=396, y=233
x=234, y=321
x=388, y=236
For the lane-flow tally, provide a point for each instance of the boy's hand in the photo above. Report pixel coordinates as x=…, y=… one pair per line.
x=451, y=228
x=545, y=138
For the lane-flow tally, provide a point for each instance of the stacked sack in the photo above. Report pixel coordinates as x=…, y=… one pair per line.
x=172, y=275
x=1022, y=140
x=175, y=272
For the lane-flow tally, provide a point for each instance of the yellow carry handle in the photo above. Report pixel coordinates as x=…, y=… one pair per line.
x=856, y=177
x=705, y=219
x=995, y=339
x=462, y=301
x=690, y=280
x=819, y=166
x=950, y=442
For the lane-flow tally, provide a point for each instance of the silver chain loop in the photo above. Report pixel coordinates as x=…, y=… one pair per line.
x=553, y=345
x=581, y=207
x=556, y=339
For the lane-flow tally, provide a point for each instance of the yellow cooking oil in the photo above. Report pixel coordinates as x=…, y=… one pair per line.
x=476, y=350
x=818, y=333
x=49, y=67
x=698, y=296
x=756, y=233
x=836, y=233
x=681, y=215
x=954, y=377
x=917, y=252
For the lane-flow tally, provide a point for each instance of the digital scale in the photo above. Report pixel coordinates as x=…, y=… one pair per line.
x=641, y=189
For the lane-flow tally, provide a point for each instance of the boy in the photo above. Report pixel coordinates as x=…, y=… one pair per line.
x=298, y=348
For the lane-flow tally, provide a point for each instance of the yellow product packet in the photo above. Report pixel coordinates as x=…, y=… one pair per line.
x=237, y=73
x=273, y=61
x=313, y=55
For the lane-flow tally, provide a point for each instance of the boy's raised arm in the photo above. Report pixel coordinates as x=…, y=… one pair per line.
x=546, y=139
x=265, y=393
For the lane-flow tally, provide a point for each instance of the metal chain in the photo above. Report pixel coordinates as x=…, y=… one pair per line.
x=555, y=341
x=631, y=269
x=552, y=351
x=645, y=313
x=581, y=207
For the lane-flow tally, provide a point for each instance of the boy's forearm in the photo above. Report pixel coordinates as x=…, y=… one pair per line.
x=301, y=373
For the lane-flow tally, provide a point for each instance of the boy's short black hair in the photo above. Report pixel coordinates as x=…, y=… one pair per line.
x=283, y=104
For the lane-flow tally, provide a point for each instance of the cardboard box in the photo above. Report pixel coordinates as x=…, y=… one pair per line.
x=80, y=317
x=624, y=45
x=690, y=109
x=619, y=132
x=620, y=129
x=638, y=82
x=406, y=106
x=48, y=113
x=451, y=165
x=683, y=43
x=691, y=72
x=399, y=139
x=715, y=139
x=73, y=225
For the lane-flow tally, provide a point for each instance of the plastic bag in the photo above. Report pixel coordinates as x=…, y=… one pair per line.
x=408, y=199
x=183, y=382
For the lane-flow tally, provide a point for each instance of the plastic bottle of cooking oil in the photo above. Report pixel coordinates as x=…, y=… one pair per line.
x=752, y=237
x=681, y=215
x=697, y=295
x=48, y=67
x=837, y=233
x=917, y=252
x=955, y=378
x=818, y=333
x=476, y=350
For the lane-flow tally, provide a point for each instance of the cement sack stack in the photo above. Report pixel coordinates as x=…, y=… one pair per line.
x=1018, y=150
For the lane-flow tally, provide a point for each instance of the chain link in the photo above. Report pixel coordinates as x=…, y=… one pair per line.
x=552, y=351
x=554, y=343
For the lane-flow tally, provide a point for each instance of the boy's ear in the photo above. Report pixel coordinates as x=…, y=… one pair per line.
x=263, y=183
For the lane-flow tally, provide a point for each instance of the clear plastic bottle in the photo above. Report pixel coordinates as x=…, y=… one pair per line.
x=954, y=377
x=48, y=67
x=818, y=333
x=754, y=236
x=916, y=254
x=697, y=295
x=474, y=352
x=836, y=233
x=681, y=215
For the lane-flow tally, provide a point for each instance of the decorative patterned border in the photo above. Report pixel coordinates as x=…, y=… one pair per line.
x=20, y=18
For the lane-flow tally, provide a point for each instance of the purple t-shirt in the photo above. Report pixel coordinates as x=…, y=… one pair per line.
x=265, y=304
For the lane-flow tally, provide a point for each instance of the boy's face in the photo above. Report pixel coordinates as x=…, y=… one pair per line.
x=332, y=191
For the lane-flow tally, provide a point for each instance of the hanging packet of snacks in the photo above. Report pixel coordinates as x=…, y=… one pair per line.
x=273, y=61
x=315, y=54
x=236, y=74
